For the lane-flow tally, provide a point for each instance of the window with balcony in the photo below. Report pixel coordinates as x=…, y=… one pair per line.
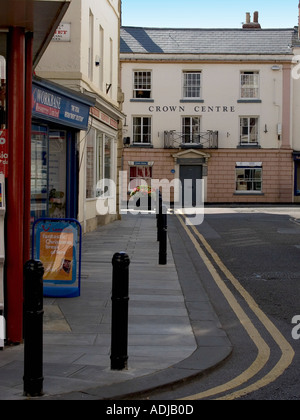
x=142, y=85
x=191, y=85
x=142, y=130
x=191, y=130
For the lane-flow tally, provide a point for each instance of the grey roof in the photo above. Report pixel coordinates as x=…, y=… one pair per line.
x=207, y=41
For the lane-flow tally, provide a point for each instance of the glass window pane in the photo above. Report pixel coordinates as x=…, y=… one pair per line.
x=39, y=172
x=90, y=164
x=57, y=174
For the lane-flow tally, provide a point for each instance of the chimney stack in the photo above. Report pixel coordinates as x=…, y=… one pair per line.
x=255, y=24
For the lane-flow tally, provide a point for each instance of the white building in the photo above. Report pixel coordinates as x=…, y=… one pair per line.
x=216, y=104
x=84, y=56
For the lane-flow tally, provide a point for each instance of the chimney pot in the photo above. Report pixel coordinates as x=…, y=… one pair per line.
x=251, y=25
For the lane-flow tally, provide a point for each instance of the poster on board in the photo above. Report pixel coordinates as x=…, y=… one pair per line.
x=57, y=244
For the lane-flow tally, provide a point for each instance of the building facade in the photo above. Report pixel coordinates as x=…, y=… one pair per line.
x=213, y=104
x=84, y=56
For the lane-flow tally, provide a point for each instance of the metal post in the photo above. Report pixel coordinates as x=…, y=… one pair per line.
x=120, y=299
x=159, y=214
x=163, y=237
x=33, y=328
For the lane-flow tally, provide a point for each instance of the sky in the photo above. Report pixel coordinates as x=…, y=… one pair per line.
x=208, y=13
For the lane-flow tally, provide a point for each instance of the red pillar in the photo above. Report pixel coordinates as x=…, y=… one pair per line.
x=27, y=153
x=15, y=190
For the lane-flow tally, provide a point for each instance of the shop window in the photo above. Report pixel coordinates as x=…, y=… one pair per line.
x=140, y=175
x=3, y=131
x=90, y=164
x=57, y=174
x=297, y=178
x=39, y=172
x=2, y=93
x=248, y=179
x=99, y=162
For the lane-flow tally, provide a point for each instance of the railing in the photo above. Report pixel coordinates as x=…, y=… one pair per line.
x=206, y=140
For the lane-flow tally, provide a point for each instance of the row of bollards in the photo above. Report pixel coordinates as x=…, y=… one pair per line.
x=33, y=321
x=34, y=312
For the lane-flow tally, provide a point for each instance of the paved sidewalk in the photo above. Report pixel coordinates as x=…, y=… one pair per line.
x=174, y=333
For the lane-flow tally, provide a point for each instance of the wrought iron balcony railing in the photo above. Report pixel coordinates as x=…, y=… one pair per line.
x=206, y=140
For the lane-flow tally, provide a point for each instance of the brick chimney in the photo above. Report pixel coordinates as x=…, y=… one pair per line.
x=255, y=24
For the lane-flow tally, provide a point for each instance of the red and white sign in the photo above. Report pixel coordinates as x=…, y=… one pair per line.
x=3, y=153
x=63, y=33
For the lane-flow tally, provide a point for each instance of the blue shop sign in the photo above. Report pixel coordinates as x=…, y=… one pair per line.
x=55, y=105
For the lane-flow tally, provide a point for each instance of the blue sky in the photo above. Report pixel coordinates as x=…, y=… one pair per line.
x=208, y=13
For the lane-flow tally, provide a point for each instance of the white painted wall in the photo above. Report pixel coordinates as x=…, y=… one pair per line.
x=220, y=88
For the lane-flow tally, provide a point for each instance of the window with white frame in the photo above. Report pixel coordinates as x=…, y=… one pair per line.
x=142, y=84
x=91, y=46
x=140, y=175
x=99, y=161
x=249, y=85
x=191, y=130
x=248, y=178
x=142, y=130
x=249, y=130
x=191, y=85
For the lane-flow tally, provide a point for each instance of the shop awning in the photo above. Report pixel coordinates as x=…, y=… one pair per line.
x=41, y=17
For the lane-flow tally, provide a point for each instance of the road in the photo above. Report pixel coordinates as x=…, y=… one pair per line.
x=253, y=255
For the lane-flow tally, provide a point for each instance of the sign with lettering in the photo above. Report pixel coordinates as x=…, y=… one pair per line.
x=56, y=107
x=198, y=109
x=57, y=243
x=62, y=33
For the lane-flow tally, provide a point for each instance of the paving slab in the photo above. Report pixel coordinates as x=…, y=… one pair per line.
x=173, y=331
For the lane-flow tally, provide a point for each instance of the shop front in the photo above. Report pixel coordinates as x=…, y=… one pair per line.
x=297, y=176
x=58, y=115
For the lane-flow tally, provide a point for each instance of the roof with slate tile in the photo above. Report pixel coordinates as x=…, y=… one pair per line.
x=208, y=41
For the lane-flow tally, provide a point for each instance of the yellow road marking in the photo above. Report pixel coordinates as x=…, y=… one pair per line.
x=263, y=349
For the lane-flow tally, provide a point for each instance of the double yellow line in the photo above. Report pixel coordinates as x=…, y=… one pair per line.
x=264, y=351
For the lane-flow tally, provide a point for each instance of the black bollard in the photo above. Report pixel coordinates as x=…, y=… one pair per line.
x=159, y=206
x=33, y=328
x=120, y=299
x=163, y=237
